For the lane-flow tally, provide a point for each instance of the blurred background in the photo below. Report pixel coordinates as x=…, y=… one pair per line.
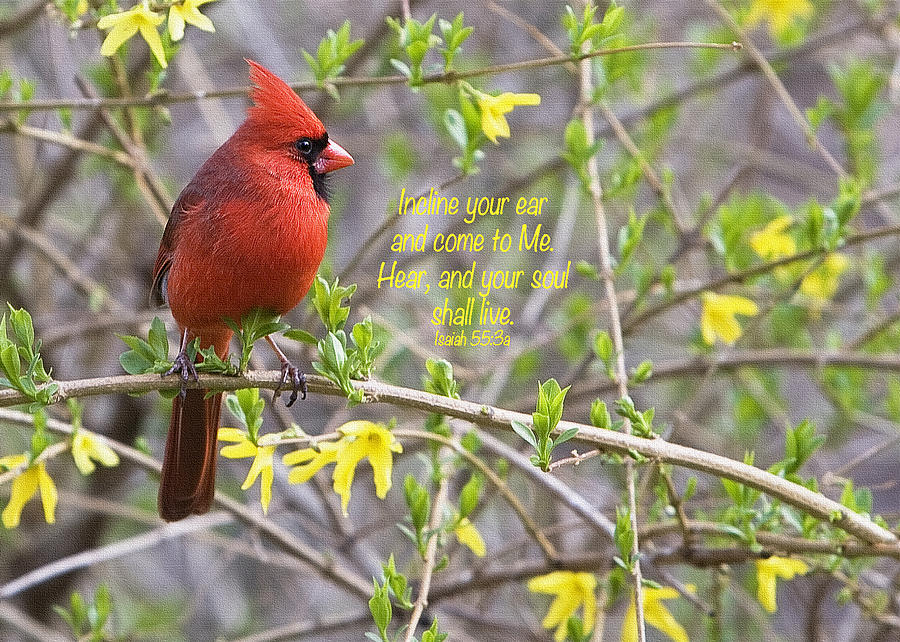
x=79, y=233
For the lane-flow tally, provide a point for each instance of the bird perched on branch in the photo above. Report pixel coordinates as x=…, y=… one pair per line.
x=249, y=231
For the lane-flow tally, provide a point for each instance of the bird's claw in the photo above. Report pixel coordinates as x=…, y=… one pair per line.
x=290, y=372
x=185, y=367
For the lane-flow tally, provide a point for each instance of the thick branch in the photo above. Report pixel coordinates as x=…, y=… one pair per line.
x=610, y=441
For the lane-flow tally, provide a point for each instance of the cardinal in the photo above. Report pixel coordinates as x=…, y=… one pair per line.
x=249, y=231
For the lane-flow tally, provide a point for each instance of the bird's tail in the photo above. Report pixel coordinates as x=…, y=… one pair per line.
x=188, y=480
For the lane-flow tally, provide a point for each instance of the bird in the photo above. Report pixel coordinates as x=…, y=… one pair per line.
x=247, y=232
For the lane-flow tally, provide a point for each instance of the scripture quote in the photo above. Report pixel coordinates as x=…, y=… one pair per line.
x=477, y=318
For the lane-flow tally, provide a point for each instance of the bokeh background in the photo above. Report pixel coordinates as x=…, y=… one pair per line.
x=78, y=238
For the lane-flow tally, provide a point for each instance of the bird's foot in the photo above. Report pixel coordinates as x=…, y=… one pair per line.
x=290, y=372
x=184, y=366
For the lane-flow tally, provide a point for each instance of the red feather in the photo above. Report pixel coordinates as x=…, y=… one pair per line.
x=249, y=231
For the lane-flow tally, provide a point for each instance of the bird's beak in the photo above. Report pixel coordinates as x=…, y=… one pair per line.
x=332, y=157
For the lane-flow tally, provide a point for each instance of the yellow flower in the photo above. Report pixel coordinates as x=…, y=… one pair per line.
x=572, y=590
x=82, y=7
x=767, y=573
x=262, y=452
x=772, y=243
x=494, y=110
x=780, y=14
x=468, y=535
x=86, y=446
x=188, y=12
x=32, y=479
x=718, y=318
x=308, y=461
x=368, y=440
x=361, y=440
x=124, y=25
x=655, y=614
x=822, y=282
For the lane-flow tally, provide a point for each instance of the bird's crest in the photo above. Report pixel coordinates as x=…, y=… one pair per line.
x=276, y=105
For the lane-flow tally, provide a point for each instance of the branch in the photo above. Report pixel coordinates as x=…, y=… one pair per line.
x=486, y=416
x=322, y=562
x=450, y=77
x=728, y=361
x=117, y=549
x=586, y=90
x=516, y=504
x=757, y=270
x=769, y=72
x=430, y=559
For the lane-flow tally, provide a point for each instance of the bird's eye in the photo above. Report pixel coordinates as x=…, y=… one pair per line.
x=304, y=146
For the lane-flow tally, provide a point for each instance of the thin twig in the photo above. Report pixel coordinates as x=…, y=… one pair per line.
x=527, y=521
x=65, y=140
x=615, y=324
x=430, y=558
x=716, y=284
x=450, y=77
x=82, y=282
x=322, y=562
x=127, y=546
x=769, y=72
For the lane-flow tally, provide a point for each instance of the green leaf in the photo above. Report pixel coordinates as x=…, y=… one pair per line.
x=9, y=359
x=456, y=127
x=524, y=432
x=603, y=347
x=380, y=607
x=247, y=407
x=440, y=379
x=432, y=634
x=600, y=415
x=643, y=372
x=22, y=326
x=158, y=341
x=134, y=363
x=565, y=436
x=469, y=496
x=419, y=502
x=300, y=335
x=5, y=82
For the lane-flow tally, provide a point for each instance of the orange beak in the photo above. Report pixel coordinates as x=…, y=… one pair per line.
x=332, y=157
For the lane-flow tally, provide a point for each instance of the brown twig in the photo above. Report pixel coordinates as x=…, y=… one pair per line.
x=450, y=77
x=815, y=504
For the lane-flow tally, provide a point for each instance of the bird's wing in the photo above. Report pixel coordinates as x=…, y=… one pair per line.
x=190, y=201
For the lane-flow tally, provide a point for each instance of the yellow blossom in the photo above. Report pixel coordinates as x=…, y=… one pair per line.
x=767, y=573
x=308, y=461
x=822, y=283
x=368, y=440
x=494, y=110
x=127, y=23
x=572, y=590
x=262, y=452
x=82, y=7
x=468, y=535
x=772, y=242
x=188, y=12
x=780, y=14
x=86, y=446
x=361, y=440
x=718, y=318
x=24, y=487
x=655, y=614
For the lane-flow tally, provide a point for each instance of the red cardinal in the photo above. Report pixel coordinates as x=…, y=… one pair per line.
x=249, y=231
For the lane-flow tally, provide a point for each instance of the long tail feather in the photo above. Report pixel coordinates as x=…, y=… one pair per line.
x=188, y=477
x=188, y=480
